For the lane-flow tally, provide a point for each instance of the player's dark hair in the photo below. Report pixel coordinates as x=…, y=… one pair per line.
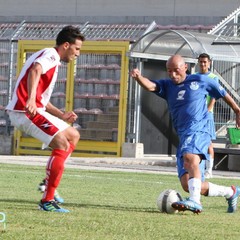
x=69, y=34
x=204, y=55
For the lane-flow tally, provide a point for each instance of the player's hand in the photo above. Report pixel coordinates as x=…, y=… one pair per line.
x=69, y=117
x=238, y=120
x=31, y=108
x=135, y=73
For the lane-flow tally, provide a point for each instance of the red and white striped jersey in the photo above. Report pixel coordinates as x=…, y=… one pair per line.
x=49, y=60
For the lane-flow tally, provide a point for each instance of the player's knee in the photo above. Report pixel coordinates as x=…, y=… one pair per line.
x=71, y=135
x=59, y=142
x=75, y=135
x=190, y=165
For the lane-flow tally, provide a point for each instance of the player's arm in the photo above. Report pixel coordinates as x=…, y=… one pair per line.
x=212, y=100
x=143, y=81
x=32, y=83
x=66, y=116
x=229, y=100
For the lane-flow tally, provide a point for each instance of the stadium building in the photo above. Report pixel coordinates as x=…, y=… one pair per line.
x=100, y=90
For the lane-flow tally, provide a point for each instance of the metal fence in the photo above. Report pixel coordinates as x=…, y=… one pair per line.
x=229, y=77
x=102, y=67
x=97, y=74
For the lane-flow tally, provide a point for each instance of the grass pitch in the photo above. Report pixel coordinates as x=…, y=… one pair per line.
x=107, y=205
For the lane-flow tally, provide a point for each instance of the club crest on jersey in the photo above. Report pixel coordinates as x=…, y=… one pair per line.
x=53, y=58
x=221, y=88
x=181, y=95
x=194, y=85
x=186, y=142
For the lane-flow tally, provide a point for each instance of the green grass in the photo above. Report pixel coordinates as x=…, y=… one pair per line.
x=107, y=205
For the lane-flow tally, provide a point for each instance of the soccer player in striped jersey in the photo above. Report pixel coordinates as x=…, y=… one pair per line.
x=31, y=111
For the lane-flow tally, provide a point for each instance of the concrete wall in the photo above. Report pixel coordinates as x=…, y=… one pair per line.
x=117, y=8
x=164, y=12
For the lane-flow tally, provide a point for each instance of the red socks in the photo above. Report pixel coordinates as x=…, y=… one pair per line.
x=54, y=171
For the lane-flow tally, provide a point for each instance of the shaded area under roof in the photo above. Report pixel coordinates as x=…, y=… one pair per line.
x=161, y=44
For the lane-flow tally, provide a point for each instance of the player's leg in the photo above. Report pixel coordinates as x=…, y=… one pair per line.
x=63, y=138
x=230, y=193
x=207, y=189
x=190, y=185
x=210, y=162
x=192, y=149
x=62, y=141
x=213, y=190
x=57, y=196
x=63, y=144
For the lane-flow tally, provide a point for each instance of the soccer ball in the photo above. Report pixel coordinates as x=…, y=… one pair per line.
x=165, y=200
x=41, y=188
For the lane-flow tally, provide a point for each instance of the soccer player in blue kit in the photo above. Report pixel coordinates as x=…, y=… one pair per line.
x=186, y=99
x=204, y=62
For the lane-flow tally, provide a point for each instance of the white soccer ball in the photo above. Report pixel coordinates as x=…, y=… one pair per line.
x=165, y=200
x=41, y=188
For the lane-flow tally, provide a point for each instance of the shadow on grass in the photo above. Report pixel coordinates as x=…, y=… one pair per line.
x=100, y=206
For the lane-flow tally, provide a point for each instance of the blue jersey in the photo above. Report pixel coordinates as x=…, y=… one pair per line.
x=215, y=78
x=187, y=101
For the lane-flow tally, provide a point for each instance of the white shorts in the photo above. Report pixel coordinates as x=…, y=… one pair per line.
x=43, y=126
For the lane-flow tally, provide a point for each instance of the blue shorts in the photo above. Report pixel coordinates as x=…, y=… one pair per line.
x=196, y=143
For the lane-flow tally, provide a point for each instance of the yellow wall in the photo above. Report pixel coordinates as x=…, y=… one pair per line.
x=25, y=145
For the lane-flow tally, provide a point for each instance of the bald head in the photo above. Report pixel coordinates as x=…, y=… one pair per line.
x=176, y=60
x=176, y=68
